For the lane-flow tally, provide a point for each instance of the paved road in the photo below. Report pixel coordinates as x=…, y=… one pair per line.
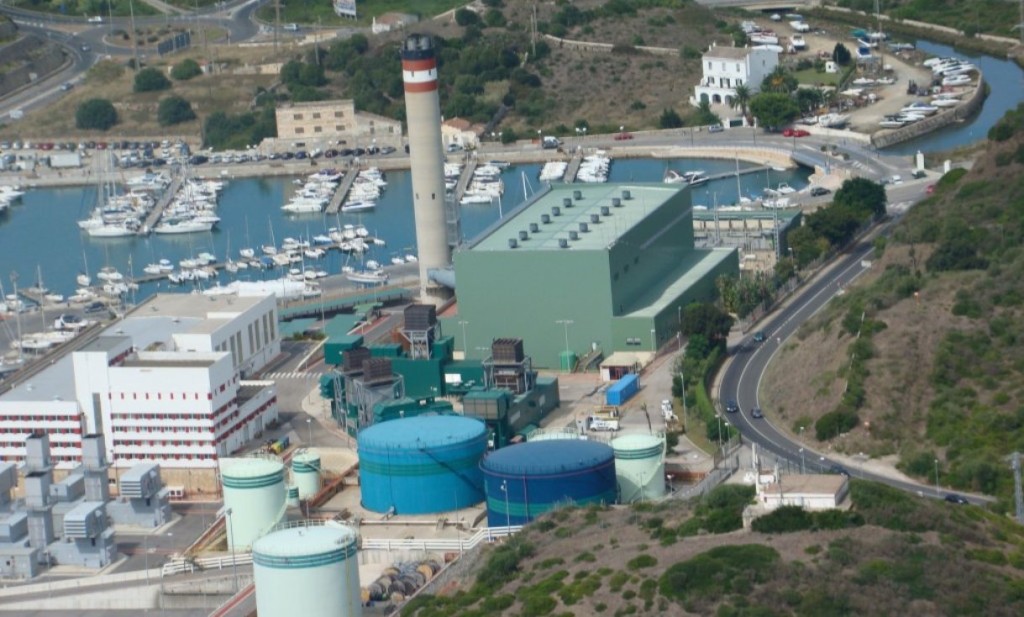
x=743, y=374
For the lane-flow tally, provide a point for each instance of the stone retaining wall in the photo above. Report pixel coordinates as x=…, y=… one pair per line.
x=888, y=137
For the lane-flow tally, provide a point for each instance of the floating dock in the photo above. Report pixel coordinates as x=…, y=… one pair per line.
x=574, y=166
x=161, y=204
x=339, y=196
x=464, y=179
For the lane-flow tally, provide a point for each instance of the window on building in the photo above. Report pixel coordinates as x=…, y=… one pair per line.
x=339, y=127
x=318, y=129
x=339, y=114
x=316, y=115
x=296, y=116
x=737, y=67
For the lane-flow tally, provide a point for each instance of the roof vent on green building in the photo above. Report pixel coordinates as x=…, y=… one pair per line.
x=606, y=211
x=574, y=235
x=512, y=243
x=595, y=218
x=524, y=236
x=534, y=228
x=626, y=195
x=546, y=219
x=584, y=228
x=563, y=243
x=567, y=202
x=577, y=195
x=616, y=202
x=556, y=211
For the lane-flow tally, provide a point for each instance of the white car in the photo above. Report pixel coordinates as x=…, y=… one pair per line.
x=95, y=19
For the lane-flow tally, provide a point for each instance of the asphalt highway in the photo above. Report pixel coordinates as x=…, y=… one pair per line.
x=749, y=360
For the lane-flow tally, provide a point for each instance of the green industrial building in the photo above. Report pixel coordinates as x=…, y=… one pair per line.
x=579, y=268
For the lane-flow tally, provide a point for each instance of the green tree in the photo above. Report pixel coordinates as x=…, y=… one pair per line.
x=670, y=119
x=841, y=55
x=494, y=18
x=808, y=99
x=465, y=17
x=707, y=320
x=174, y=110
x=780, y=80
x=705, y=116
x=186, y=69
x=151, y=80
x=861, y=194
x=741, y=99
x=96, y=114
x=773, y=110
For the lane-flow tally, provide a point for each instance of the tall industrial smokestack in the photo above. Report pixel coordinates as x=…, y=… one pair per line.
x=423, y=114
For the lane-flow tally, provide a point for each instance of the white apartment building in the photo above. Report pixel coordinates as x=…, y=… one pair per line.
x=165, y=385
x=725, y=68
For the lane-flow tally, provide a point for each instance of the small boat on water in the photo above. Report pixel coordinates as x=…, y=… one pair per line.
x=109, y=274
x=357, y=206
x=691, y=178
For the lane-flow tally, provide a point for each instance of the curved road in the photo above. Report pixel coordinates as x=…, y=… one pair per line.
x=742, y=375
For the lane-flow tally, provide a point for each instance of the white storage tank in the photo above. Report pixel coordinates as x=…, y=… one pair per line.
x=306, y=472
x=309, y=570
x=639, y=467
x=254, y=494
x=293, y=496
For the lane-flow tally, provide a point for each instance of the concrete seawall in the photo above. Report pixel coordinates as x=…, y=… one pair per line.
x=889, y=137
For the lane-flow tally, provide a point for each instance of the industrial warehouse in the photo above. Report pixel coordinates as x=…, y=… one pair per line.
x=574, y=271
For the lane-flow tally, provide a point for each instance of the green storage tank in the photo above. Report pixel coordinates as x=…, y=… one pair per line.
x=567, y=361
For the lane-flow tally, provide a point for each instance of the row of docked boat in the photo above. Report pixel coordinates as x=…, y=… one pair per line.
x=486, y=185
x=553, y=171
x=193, y=209
x=8, y=195
x=366, y=189
x=314, y=193
x=919, y=110
x=594, y=167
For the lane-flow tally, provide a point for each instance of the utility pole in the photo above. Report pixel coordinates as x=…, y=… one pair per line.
x=277, y=21
x=135, y=33
x=533, y=29
x=1018, y=491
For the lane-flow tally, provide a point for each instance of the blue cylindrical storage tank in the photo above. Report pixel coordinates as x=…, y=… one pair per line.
x=422, y=465
x=526, y=480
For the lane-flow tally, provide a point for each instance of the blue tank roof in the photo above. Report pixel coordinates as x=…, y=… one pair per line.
x=548, y=457
x=421, y=432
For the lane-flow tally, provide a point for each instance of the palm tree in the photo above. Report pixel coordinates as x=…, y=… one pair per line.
x=741, y=99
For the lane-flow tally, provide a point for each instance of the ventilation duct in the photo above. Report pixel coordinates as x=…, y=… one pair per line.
x=584, y=228
x=566, y=202
x=577, y=195
x=512, y=243
x=523, y=236
x=626, y=195
x=595, y=218
x=556, y=211
x=534, y=228
x=606, y=211
x=573, y=235
x=545, y=218
x=563, y=243
x=616, y=202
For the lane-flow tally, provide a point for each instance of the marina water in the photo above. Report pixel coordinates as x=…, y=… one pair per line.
x=40, y=234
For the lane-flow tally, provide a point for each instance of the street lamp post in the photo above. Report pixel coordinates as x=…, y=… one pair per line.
x=566, y=323
x=719, y=416
x=936, y=477
x=231, y=539
x=508, y=516
x=465, y=341
x=309, y=425
x=653, y=348
x=802, y=468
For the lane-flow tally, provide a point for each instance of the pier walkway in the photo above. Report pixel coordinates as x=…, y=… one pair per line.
x=464, y=179
x=161, y=204
x=343, y=188
x=742, y=172
x=574, y=166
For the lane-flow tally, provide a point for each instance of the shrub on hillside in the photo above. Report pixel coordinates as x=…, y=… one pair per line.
x=835, y=423
x=174, y=110
x=96, y=114
x=151, y=80
x=186, y=69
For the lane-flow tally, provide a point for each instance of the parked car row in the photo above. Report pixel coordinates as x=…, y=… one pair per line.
x=89, y=145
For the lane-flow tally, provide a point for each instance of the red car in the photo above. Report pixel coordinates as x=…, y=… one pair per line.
x=795, y=133
x=623, y=136
x=930, y=189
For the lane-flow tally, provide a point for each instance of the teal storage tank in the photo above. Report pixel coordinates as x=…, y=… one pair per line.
x=310, y=570
x=422, y=465
x=306, y=472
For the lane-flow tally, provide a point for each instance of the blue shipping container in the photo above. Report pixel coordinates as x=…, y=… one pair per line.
x=622, y=390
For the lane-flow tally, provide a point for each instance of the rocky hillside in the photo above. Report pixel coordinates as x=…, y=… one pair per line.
x=937, y=373
x=892, y=554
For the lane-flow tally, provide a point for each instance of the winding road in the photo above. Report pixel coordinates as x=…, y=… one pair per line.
x=742, y=375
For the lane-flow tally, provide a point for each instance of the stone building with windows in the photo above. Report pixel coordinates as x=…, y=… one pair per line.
x=320, y=124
